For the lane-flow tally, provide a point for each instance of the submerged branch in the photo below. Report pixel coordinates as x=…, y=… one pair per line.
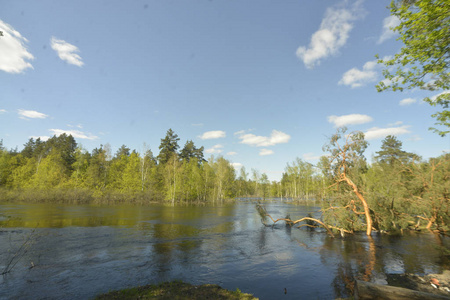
x=23, y=249
x=263, y=213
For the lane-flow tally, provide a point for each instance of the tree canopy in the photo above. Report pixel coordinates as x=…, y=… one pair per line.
x=391, y=151
x=423, y=61
x=169, y=146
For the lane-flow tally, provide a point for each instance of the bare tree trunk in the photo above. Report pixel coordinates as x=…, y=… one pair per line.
x=363, y=201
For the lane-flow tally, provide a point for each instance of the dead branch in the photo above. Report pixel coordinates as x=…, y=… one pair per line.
x=312, y=226
x=264, y=213
x=23, y=249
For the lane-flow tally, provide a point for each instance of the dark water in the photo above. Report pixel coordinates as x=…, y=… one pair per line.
x=81, y=251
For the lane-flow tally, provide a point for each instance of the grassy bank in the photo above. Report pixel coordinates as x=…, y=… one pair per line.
x=177, y=290
x=77, y=196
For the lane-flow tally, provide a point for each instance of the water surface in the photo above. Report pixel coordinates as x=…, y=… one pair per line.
x=81, y=251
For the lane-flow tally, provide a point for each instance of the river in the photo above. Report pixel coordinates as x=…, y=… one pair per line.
x=77, y=252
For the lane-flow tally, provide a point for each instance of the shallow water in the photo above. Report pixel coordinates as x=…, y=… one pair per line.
x=81, y=251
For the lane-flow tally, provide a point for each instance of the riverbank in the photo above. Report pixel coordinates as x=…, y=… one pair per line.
x=82, y=196
x=177, y=290
x=438, y=284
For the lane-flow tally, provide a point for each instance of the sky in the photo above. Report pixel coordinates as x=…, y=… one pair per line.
x=259, y=82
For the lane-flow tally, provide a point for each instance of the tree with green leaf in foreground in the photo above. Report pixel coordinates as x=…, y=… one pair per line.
x=424, y=60
x=346, y=162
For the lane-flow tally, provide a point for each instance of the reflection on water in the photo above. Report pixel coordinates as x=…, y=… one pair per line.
x=81, y=251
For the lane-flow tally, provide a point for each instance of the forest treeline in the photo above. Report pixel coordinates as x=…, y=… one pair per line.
x=396, y=190
x=61, y=170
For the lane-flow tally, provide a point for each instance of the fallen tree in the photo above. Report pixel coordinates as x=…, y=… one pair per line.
x=346, y=161
x=263, y=213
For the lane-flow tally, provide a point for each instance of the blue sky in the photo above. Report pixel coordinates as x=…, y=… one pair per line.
x=260, y=82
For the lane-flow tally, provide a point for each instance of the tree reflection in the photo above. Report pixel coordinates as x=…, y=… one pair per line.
x=344, y=282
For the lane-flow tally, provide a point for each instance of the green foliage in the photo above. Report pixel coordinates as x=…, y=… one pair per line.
x=177, y=290
x=301, y=180
x=346, y=154
x=168, y=147
x=423, y=61
x=58, y=166
x=391, y=152
x=347, y=166
x=189, y=152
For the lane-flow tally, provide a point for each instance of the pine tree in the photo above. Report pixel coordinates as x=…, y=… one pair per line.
x=391, y=152
x=168, y=147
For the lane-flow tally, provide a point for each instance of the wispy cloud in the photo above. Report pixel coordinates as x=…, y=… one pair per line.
x=388, y=23
x=215, y=149
x=264, y=152
x=276, y=137
x=397, y=123
x=231, y=153
x=356, y=78
x=237, y=165
x=379, y=133
x=438, y=95
x=30, y=114
x=14, y=57
x=42, y=137
x=369, y=73
x=2, y=111
x=240, y=132
x=77, y=126
x=415, y=138
x=332, y=34
x=75, y=133
x=213, y=135
x=310, y=156
x=67, y=52
x=407, y=101
x=352, y=119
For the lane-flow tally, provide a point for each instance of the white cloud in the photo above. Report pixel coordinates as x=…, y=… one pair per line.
x=237, y=165
x=276, y=137
x=407, y=101
x=75, y=133
x=66, y=51
x=2, y=111
x=352, y=119
x=310, y=156
x=215, y=149
x=240, y=132
x=378, y=133
x=415, y=138
x=42, y=137
x=398, y=123
x=31, y=114
x=231, y=153
x=440, y=94
x=331, y=36
x=77, y=126
x=264, y=152
x=388, y=23
x=14, y=56
x=356, y=78
x=213, y=135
